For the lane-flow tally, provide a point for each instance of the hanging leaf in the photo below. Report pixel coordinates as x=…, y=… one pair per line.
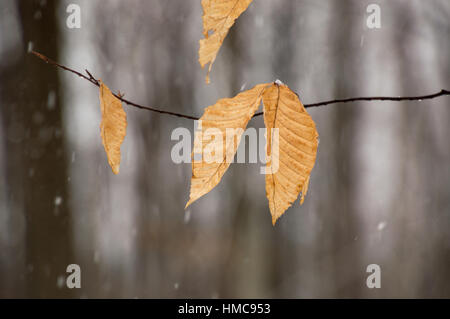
x=218, y=18
x=113, y=126
x=214, y=144
x=291, y=156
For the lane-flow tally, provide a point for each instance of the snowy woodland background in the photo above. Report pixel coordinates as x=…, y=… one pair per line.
x=379, y=193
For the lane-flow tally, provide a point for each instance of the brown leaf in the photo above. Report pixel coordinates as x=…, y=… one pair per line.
x=291, y=158
x=211, y=140
x=218, y=18
x=113, y=126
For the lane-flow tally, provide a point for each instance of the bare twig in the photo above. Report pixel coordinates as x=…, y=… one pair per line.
x=95, y=81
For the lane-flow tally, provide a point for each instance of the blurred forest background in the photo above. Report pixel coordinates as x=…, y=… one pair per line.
x=379, y=193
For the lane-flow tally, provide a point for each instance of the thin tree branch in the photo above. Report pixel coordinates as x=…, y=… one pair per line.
x=377, y=98
x=94, y=81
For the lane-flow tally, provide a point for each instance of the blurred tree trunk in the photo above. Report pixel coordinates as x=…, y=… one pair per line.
x=341, y=218
x=156, y=229
x=420, y=215
x=36, y=163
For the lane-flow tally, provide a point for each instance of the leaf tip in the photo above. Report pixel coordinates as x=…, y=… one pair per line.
x=112, y=127
x=274, y=221
x=188, y=203
x=275, y=216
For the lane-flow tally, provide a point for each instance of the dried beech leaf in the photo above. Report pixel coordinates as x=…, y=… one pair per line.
x=291, y=158
x=232, y=114
x=218, y=18
x=113, y=126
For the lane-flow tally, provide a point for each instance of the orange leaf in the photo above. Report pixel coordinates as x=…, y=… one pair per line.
x=218, y=17
x=113, y=126
x=292, y=142
x=213, y=142
x=291, y=156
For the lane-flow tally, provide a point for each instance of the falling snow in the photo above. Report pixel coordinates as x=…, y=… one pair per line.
x=30, y=47
x=58, y=200
x=187, y=216
x=60, y=281
x=51, y=99
x=381, y=226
